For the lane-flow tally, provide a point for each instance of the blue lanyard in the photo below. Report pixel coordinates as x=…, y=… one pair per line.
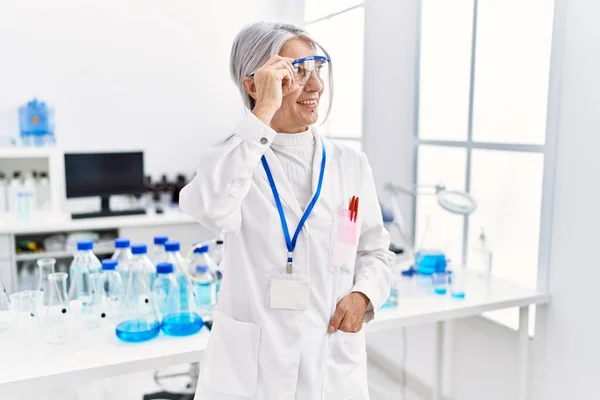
x=291, y=242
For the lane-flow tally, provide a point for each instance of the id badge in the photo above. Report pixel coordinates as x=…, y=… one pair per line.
x=289, y=291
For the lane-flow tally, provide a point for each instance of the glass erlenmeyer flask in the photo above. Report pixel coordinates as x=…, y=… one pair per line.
x=5, y=315
x=138, y=320
x=56, y=322
x=46, y=267
x=179, y=316
x=98, y=307
x=24, y=306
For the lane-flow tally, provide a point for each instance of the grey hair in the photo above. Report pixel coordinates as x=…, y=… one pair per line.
x=258, y=42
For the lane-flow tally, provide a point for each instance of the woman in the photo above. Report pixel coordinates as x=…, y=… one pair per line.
x=293, y=300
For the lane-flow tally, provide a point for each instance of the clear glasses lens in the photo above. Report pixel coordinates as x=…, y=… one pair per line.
x=305, y=69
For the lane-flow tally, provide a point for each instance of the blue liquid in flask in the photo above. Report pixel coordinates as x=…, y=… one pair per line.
x=440, y=291
x=182, y=324
x=137, y=331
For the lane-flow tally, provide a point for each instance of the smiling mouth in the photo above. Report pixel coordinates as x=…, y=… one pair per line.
x=308, y=102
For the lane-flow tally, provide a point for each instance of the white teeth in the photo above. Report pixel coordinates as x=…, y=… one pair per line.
x=308, y=102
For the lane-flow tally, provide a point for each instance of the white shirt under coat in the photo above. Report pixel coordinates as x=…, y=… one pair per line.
x=255, y=352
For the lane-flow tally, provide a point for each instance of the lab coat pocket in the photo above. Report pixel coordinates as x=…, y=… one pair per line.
x=346, y=365
x=231, y=358
x=344, y=243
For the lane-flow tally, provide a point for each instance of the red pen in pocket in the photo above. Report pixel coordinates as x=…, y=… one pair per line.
x=353, y=207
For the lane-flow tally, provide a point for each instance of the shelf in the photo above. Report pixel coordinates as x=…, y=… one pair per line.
x=27, y=152
x=60, y=254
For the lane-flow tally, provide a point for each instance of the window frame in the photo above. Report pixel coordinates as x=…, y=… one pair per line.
x=548, y=149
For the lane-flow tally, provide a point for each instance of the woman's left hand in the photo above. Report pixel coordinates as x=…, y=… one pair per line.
x=349, y=313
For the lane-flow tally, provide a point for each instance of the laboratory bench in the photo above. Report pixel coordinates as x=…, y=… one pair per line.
x=100, y=354
x=42, y=227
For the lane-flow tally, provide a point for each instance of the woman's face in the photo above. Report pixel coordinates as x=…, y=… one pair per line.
x=295, y=115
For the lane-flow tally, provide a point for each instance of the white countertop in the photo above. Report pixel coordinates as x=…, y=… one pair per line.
x=99, y=353
x=63, y=222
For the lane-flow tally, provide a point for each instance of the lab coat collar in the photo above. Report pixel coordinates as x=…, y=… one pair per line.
x=284, y=187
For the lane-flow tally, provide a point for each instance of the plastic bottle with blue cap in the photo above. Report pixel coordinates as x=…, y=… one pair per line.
x=112, y=284
x=159, y=254
x=123, y=256
x=180, y=268
x=204, y=281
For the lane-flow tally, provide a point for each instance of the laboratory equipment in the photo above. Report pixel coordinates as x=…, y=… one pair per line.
x=25, y=278
x=123, y=257
x=180, y=266
x=122, y=174
x=204, y=289
x=25, y=306
x=3, y=193
x=453, y=201
x=142, y=264
x=458, y=283
x=29, y=190
x=56, y=320
x=217, y=252
x=84, y=265
x=481, y=256
x=138, y=319
x=392, y=300
x=36, y=120
x=440, y=281
x=13, y=191
x=159, y=254
x=5, y=315
x=43, y=192
x=164, y=285
x=178, y=317
x=46, y=267
x=430, y=261
x=112, y=284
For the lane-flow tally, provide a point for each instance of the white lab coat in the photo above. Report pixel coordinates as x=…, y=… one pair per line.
x=254, y=351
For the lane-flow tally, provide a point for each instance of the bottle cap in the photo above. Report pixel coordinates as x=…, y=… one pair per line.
x=139, y=249
x=122, y=243
x=85, y=245
x=172, y=246
x=164, y=268
x=109, y=265
x=160, y=239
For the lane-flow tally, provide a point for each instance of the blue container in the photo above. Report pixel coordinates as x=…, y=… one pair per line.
x=137, y=331
x=430, y=261
x=36, y=121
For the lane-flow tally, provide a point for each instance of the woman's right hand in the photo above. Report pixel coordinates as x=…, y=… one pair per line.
x=272, y=81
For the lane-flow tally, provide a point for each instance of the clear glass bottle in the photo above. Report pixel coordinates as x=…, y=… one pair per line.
x=46, y=267
x=204, y=281
x=180, y=268
x=142, y=263
x=112, y=284
x=56, y=321
x=163, y=287
x=159, y=254
x=138, y=319
x=204, y=289
x=481, y=256
x=123, y=256
x=84, y=265
x=25, y=306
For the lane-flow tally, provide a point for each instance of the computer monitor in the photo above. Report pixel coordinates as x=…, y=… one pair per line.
x=104, y=174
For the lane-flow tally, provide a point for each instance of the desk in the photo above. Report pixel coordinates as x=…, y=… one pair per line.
x=56, y=365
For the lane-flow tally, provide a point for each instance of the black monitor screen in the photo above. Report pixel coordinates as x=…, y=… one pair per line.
x=104, y=174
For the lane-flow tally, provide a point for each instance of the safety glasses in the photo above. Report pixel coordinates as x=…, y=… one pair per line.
x=305, y=67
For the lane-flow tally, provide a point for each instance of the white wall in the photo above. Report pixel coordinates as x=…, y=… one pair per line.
x=129, y=74
x=482, y=355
